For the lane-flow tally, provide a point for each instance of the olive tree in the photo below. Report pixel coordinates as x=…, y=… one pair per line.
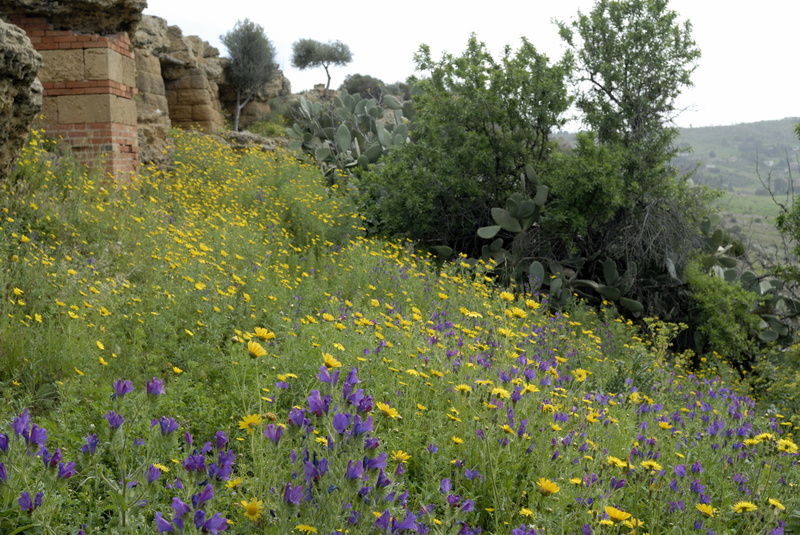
x=252, y=62
x=308, y=53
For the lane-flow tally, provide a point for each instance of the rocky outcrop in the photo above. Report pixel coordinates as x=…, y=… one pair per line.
x=20, y=92
x=152, y=108
x=89, y=16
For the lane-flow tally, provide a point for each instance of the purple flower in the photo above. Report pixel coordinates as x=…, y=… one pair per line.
x=3, y=473
x=273, y=432
x=21, y=423
x=153, y=474
x=215, y=524
x=168, y=425
x=38, y=435
x=409, y=523
x=91, y=444
x=340, y=421
x=680, y=470
x=180, y=508
x=382, y=523
x=51, y=461
x=203, y=496
x=66, y=470
x=371, y=443
x=317, y=404
x=297, y=416
x=114, y=420
x=3, y=442
x=445, y=485
x=122, y=387
x=377, y=463
x=468, y=506
x=155, y=387
x=697, y=468
x=362, y=426
x=220, y=439
x=195, y=463
x=355, y=469
x=292, y=494
x=383, y=481
x=28, y=505
x=326, y=377
x=163, y=525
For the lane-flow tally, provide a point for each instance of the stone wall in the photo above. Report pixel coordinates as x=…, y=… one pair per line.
x=88, y=74
x=20, y=93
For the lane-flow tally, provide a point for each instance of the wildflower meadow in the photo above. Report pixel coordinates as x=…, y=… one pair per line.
x=219, y=347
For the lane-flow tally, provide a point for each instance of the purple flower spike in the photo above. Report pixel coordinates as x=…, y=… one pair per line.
x=66, y=470
x=203, y=496
x=114, y=420
x=292, y=494
x=409, y=523
x=122, y=387
x=3, y=442
x=317, y=404
x=21, y=423
x=38, y=435
x=163, y=525
x=155, y=387
x=382, y=523
x=153, y=473
x=3, y=473
x=445, y=485
x=168, y=425
x=220, y=439
x=340, y=422
x=91, y=444
x=215, y=524
x=273, y=432
x=180, y=508
x=355, y=469
x=28, y=505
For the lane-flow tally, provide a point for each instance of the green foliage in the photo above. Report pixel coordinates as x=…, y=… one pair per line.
x=252, y=62
x=636, y=57
x=349, y=133
x=479, y=122
x=308, y=54
x=364, y=85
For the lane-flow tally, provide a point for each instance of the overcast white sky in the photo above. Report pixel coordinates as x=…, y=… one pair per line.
x=749, y=70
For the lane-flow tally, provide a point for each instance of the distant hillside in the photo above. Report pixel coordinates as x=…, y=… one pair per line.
x=732, y=157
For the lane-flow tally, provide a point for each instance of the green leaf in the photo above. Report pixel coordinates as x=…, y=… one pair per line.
x=634, y=306
x=610, y=293
x=716, y=239
x=322, y=154
x=488, y=233
x=343, y=138
x=443, y=251
x=727, y=261
x=610, y=271
x=768, y=335
x=537, y=273
x=295, y=145
x=392, y=103
x=541, y=195
x=373, y=152
x=496, y=245
x=506, y=220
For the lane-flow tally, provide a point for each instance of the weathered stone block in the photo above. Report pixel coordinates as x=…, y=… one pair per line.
x=62, y=66
x=107, y=64
x=95, y=109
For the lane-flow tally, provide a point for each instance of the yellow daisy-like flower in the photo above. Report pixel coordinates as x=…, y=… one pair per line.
x=616, y=461
x=249, y=422
x=576, y=481
x=525, y=512
x=616, y=515
x=305, y=528
x=507, y=296
x=507, y=428
x=651, y=465
x=400, y=456
x=161, y=467
x=744, y=507
x=706, y=510
x=776, y=504
x=252, y=509
x=787, y=446
x=100, y=345
x=457, y=440
x=664, y=425
x=501, y=393
x=264, y=335
x=464, y=389
x=388, y=411
x=580, y=374
x=330, y=361
x=255, y=349
x=547, y=487
x=233, y=483
x=176, y=369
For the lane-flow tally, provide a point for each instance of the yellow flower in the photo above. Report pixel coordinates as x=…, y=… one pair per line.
x=103, y=361
x=651, y=465
x=330, y=361
x=400, y=456
x=100, y=345
x=705, y=510
x=233, y=483
x=457, y=440
x=664, y=425
x=255, y=349
x=264, y=334
x=176, y=369
x=615, y=514
x=502, y=393
x=17, y=291
x=576, y=481
x=525, y=512
x=249, y=422
x=464, y=389
x=547, y=486
x=507, y=296
x=786, y=445
x=328, y=317
x=388, y=411
x=744, y=507
x=305, y=529
x=252, y=509
x=776, y=504
x=78, y=371
x=580, y=375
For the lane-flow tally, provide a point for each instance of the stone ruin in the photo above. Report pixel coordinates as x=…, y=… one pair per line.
x=115, y=81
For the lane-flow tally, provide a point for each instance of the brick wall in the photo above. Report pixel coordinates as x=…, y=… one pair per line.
x=89, y=85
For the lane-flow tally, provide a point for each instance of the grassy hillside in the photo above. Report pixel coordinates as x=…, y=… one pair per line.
x=218, y=347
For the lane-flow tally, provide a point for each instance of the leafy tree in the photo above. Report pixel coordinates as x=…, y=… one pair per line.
x=308, y=53
x=365, y=85
x=252, y=62
x=633, y=59
x=479, y=122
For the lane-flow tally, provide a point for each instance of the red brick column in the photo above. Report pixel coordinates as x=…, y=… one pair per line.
x=89, y=85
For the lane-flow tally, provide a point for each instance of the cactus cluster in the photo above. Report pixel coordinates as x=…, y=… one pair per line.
x=349, y=131
x=521, y=216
